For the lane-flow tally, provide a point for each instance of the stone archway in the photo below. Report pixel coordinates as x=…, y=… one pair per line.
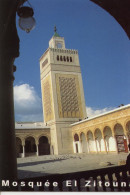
x=120, y=138
x=19, y=149
x=30, y=146
x=99, y=141
x=84, y=145
x=76, y=144
x=91, y=142
x=44, y=146
x=109, y=139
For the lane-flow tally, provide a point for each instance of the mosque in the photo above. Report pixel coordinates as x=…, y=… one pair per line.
x=66, y=128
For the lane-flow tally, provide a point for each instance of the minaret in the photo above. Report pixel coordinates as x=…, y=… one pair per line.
x=62, y=92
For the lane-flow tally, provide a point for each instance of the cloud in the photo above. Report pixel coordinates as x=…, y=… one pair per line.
x=28, y=105
x=91, y=112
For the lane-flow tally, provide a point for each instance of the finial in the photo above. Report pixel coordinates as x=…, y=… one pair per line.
x=55, y=32
x=55, y=29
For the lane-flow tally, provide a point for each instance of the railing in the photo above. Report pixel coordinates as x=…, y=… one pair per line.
x=114, y=178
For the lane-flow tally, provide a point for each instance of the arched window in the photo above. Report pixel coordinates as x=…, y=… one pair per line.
x=57, y=58
x=60, y=58
x=67, y=59
x=64, y=58
x=70, y=59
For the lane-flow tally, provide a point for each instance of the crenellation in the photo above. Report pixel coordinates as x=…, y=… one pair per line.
x=70, y=51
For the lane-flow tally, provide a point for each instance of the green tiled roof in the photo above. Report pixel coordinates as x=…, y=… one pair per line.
x=56, y=34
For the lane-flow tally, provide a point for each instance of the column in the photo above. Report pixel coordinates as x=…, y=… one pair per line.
x=23, y=145
x=115, y=144
x=37, y=152
x=127, y=143
x=23, y=155
x=127, y=138
x=114, y=138
x=88, y=150
x=95, y=145
x=79, y=147
x=74, y=147
x=88, y=147
x=105, y=144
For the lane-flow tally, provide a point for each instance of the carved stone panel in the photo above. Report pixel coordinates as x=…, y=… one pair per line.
x=68, y=94
x=47, y=99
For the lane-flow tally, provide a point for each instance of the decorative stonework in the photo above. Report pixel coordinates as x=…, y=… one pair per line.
x=69, y=51
x=44, y=63
x=68, y=94
x=47, y=99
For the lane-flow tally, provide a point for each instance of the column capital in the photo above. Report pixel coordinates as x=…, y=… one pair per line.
x=37, y=142
x=113, y=134
x=23, y=142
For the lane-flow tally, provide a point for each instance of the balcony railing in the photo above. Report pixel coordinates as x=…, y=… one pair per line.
x=115, y=178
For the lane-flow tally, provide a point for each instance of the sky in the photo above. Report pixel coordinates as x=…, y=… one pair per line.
x=103, y=48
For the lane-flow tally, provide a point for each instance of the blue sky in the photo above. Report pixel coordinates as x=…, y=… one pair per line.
x=103, y=48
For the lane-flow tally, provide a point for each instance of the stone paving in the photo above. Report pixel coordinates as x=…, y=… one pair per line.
x=52, y=164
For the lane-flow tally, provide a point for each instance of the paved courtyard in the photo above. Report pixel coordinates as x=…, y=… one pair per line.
x=51, y=164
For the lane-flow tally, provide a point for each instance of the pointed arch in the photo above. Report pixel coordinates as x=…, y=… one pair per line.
x=109, y=139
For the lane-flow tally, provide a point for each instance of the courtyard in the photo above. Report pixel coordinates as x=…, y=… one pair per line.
x=34, y=166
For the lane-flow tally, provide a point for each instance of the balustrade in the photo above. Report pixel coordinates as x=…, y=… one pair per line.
x=115, y=178
x=112, y=179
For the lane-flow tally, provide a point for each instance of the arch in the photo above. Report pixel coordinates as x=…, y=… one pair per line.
x=107, y=131
x=100, y=144
x=57, y=57
x=76, y=137
x=64, y=58
x=30, y=135
x=98, y=138
x=76, y=143
x=30, y=146
x=44, y=146
x=61, y=58
x=19, y=138
x=19, y=148
x=120, y=138
x=84, y=145
x=89, y=135
x=91, y=142
x=118, y=129
x=44, y=135
x=126, y=121
x=109, y=139
x=98, y=133
x=67, y=59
